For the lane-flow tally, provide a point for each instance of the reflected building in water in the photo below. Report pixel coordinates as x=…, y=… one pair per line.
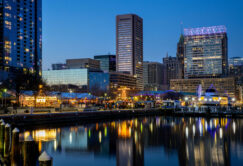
x=195, y=141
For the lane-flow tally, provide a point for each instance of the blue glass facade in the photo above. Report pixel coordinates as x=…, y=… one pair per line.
x=107, y=62
x=99, y=81
x=78, y=77
x=20, y=36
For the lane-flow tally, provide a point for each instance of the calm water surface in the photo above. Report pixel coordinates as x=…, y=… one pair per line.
x=145, y=141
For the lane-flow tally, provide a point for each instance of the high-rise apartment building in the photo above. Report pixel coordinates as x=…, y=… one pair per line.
x=107, y=62
x=129, y=46
x=20, y=37
x=206, y=52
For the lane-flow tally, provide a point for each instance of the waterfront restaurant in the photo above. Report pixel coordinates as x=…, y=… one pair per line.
x=55, y=99
x=29, y=100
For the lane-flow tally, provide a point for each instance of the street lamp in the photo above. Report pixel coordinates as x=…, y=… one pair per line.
x=70, y=91
x=5, y=90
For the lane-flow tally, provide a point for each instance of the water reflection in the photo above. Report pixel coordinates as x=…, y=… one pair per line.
x=145, y=141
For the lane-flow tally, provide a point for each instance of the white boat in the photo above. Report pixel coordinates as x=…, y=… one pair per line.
x=210, y=97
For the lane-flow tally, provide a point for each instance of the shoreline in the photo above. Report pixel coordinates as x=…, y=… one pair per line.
x=75, y=117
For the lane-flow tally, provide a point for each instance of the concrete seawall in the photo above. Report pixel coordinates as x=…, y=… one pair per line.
x=52, y=118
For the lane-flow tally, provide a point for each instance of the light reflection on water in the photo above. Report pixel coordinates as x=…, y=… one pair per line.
x=145, y=141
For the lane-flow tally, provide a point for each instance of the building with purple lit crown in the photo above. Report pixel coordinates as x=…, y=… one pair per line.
x=206, y=52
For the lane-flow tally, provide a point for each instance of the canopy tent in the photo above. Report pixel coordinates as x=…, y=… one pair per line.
x=153, y=93
x=74, y=95
x=168, y=94
x=64, y=95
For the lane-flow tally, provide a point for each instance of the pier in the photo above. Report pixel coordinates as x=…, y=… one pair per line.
x=77, y=116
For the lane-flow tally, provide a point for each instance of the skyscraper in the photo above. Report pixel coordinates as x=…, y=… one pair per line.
x=206, y=52
x=129, y=46
x=20, y=37
x=180, y=56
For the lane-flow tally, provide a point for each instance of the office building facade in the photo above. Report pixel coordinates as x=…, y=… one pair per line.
x=85, y=79
x=129, y=46
x=235, y=61
x=120, y=81
x=59, y=66
x=107, y=62
x=83, y=63
x=20, y=37
x=154, y=76
x=224, y=86
x=206, y=52
x=172, y=68
x=236, y=70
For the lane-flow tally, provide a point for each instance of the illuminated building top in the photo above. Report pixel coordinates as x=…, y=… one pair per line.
x=205, y=30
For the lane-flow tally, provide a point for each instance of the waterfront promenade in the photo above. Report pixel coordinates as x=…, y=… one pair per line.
x=88, y=116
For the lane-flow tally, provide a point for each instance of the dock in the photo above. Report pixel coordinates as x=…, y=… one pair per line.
x=66, y=117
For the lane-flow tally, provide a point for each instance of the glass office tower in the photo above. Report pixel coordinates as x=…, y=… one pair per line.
x=235, y=61
x=107, y=62
x=129, y=46
x=206, y=52
x=20, y=37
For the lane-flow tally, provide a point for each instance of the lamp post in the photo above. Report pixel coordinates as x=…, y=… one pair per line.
x=5, y=90
x=1, y=94
x=2, y=98
x=70, y=91
x=186, y=101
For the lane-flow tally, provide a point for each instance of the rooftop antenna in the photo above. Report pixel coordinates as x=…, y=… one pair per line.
x=181, y=28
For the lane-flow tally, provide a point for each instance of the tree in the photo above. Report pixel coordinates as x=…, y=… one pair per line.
x=24, y=81
x=96, y=90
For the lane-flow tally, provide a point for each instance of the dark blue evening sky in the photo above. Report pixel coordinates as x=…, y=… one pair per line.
x=84, y=28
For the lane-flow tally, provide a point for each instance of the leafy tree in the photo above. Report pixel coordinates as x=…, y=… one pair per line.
x=96, y=90
x=25, y=81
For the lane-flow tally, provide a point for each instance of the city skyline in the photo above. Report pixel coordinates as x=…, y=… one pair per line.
x=162, y=27
x=121, y=82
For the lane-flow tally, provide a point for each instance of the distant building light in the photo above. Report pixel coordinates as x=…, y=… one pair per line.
x=205, y=30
